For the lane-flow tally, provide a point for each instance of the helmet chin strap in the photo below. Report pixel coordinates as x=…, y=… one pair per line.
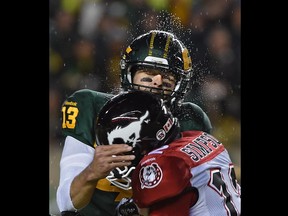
x=123, y=180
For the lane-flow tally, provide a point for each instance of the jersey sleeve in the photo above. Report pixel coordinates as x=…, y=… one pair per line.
x=178, y=205
x=192, y=117
x=159, y=179
x=79, y=112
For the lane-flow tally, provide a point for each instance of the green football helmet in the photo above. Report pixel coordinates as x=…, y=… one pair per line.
x=159, y=50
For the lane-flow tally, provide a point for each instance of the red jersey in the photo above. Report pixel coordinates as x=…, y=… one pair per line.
x=193, y=175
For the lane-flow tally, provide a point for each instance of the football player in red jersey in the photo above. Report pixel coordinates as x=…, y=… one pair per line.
x=193, y=175
x=177, y=173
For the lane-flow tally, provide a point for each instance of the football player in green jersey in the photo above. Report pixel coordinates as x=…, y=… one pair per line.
x=90, y=184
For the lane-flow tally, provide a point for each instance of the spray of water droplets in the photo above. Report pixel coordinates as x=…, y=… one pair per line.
x=165, y=21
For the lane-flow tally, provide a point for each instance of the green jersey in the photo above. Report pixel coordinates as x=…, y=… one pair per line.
x=79, y=113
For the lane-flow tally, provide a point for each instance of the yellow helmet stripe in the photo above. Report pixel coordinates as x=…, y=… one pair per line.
x=151, y=43
x=167, y=46
x=187, y=59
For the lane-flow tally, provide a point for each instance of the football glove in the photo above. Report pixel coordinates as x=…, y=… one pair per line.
x=127, y=207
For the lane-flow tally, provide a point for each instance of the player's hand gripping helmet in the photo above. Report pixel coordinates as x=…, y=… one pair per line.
x=139, y=119
x=159, y=50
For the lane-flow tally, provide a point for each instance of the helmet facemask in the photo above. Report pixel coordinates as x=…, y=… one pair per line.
x=182, y=82
x=121, y=177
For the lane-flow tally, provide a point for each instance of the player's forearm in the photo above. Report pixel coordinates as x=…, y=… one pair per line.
x=82, y=188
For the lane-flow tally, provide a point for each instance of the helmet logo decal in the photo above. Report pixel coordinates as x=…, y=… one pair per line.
x=160, y=135
x=128, y=50
x=130, y=133
x=150, y=176
x=168, y=124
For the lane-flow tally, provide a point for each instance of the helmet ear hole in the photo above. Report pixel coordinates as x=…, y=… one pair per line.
x=117, y=140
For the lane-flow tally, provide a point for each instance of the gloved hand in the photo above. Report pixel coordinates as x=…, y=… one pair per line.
x=127, y=207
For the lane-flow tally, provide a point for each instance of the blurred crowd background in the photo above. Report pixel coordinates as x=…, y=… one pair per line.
x=87, y=37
